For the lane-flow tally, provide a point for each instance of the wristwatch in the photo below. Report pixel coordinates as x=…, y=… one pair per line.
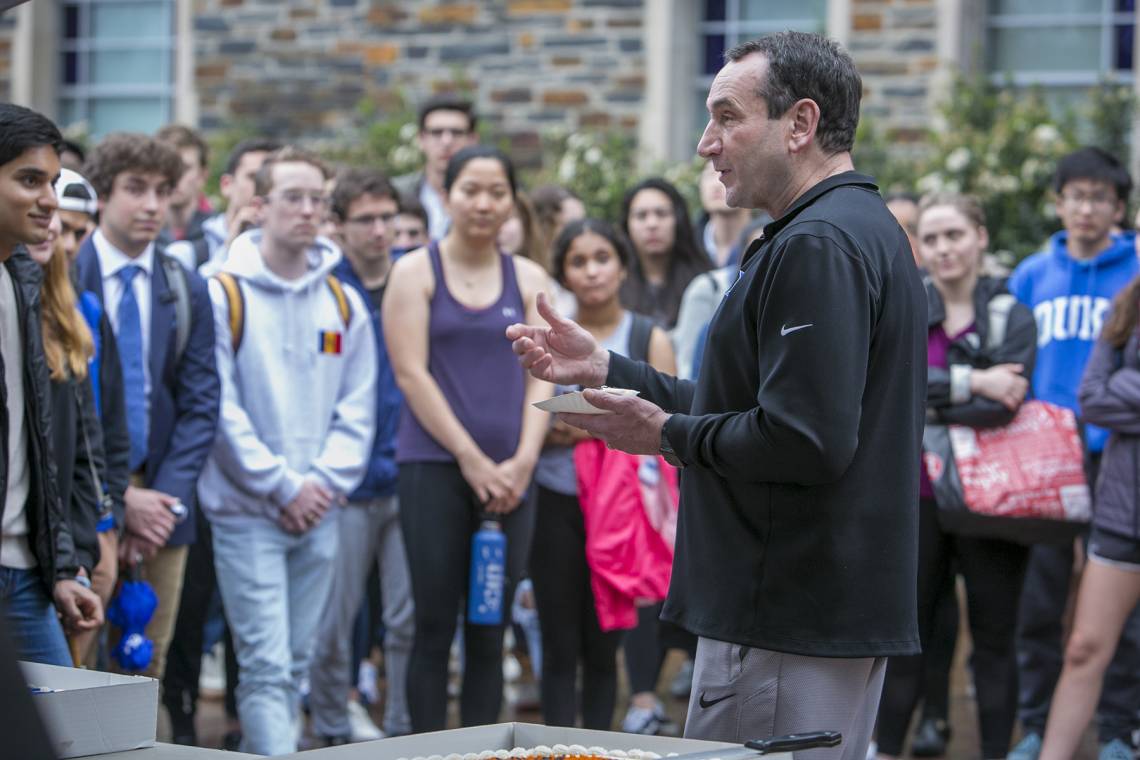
x=667, y=451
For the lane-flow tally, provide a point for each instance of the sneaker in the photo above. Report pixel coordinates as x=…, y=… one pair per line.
x=644, y=720
x=361, y=727
x=366, y=682
x=682, y=685
x=930, y=738
x=1027, y=749
x=212, y=680
x=1116, y=749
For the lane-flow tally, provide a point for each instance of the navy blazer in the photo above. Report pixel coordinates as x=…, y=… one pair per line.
x=184, y=396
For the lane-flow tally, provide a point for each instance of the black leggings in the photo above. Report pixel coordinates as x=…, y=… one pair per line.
x=439, y=513
x=993, y=571
x=569, y=620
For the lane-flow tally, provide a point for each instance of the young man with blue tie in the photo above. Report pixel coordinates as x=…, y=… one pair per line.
x=164, y=332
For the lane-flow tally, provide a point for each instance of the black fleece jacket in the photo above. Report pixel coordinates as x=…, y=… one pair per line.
x=799, y=502
x=1019, y=346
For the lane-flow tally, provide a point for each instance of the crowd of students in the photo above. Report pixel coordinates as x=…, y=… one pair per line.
x=307, y=398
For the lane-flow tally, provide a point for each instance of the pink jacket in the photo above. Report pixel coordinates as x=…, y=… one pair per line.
x=629, y=505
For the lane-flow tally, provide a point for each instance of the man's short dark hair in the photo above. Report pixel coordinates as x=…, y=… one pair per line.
x=352, y=184
x=448, y=102
x=1094, y=164
x=21, y=129
x=129, y=152
x=73, y=146
x=802, y=65
x=410, y=205
x=251, y=145
x=180, y=136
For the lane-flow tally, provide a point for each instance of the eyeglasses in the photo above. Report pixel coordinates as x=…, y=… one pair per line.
x=438, y=132
x=295, y=199
x=1096, y=200
x=369, y=221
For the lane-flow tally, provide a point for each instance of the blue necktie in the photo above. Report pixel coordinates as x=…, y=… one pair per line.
x=129, y=339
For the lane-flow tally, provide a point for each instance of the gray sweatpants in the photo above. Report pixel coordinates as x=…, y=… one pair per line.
x=367, y=530
x=741, y=693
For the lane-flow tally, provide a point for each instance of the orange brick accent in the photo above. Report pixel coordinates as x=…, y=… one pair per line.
x=564, y=98
x=865, y=22
x=595, y=119
x=385, y=16
x=283, y=34
x=211, y=71
x=565, y=60
x=532, y=7
x=526, y=40
x=579, y=25
x=380, y=55
x=449, y=14
x=296, y=14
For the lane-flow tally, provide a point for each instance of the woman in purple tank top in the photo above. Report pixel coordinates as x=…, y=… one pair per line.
x=469, y=436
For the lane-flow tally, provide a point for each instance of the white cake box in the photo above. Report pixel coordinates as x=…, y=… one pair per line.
x=508, y=736
x=92, y=713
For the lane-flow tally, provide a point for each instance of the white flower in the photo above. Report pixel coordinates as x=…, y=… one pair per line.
x=931, y=183
x=593, y=155
x=577, y=140
x=1005, y=183
x=1044, y=136
x=958, y=159
x=408, y=131
x=403, y=155
x=567, y=169
x=1030, y=170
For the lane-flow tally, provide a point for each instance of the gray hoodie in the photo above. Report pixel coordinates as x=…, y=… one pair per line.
x=1110, y=397
x=298, y=400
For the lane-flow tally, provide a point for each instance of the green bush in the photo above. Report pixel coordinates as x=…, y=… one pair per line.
x=1002, y=144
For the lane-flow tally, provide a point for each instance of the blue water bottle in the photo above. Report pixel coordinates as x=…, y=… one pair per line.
x=488, y=574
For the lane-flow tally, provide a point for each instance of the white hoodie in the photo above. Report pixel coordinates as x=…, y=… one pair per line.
x=290, y=411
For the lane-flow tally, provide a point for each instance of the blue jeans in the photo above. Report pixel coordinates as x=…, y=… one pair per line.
x=274, y=586
x=31, y=618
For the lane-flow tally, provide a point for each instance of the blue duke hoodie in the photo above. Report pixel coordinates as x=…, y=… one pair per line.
x=1070, y=299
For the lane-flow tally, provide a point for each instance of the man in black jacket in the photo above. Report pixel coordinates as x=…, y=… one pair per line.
x=38, y=563
x=796, y=543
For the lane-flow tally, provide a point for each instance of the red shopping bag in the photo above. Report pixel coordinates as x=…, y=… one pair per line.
x=1023, y=482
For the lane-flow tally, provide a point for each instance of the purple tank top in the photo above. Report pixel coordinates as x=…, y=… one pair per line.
x=471, y=360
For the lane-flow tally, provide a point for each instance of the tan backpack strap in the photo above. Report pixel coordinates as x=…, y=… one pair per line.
x=236, y=302
x=342, y=302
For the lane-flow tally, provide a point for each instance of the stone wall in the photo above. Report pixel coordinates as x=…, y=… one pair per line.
x=7, y=32
x=301, y=67
x=894, y=45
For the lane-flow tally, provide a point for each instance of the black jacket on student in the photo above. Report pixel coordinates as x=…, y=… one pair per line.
x=951, y=405
x=49, y=529
x=799, y=501
x=78, y=443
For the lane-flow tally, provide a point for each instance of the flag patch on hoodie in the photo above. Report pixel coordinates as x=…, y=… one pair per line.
x=329, y=342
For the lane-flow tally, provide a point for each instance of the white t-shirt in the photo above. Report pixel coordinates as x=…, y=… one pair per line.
x=15, y=550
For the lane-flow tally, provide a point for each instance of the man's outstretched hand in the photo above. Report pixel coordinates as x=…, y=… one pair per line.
x=633, y=425
x=563, y=353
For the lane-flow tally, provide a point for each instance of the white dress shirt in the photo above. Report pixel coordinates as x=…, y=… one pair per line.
x=111, y=260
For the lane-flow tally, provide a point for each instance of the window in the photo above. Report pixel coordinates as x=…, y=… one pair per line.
x=117, y=71
x=1066, y=45
x=726, y=23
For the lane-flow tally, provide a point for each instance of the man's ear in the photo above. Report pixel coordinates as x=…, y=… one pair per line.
x=804, y=115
